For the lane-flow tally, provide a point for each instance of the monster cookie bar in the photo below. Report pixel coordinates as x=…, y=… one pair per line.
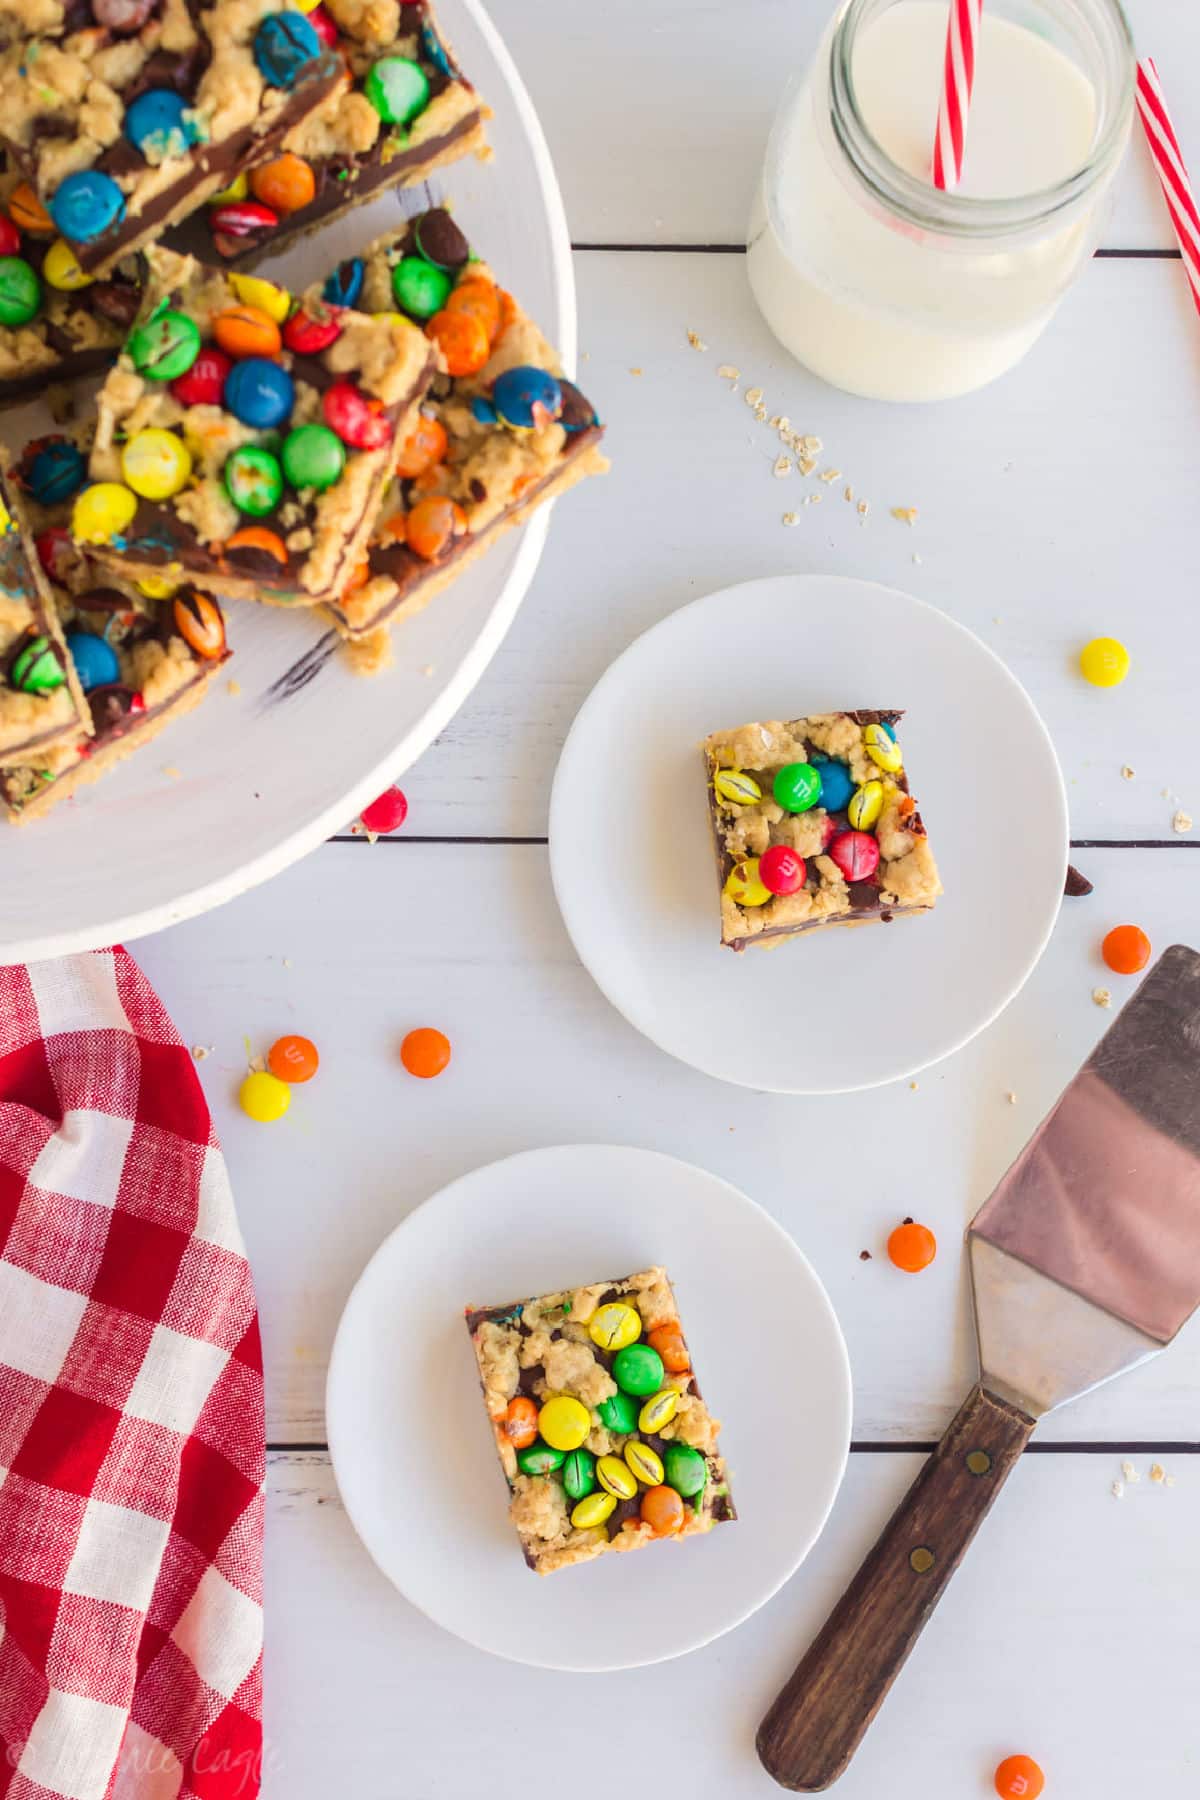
x=501, y=432
x=56, y=323
x=814, y=825
x=408, y=109
x=140, y=659
x=603, y=1437
x=41, y=702
x=243, y=443
x=121, y=116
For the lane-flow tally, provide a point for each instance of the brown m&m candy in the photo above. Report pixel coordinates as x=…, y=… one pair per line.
x=440, y=241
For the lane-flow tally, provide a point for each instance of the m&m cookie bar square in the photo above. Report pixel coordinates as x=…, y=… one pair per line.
x=501, y=432
x=407, y=110
x=244, y=441
x=601, y=1431
x=119, y=117
x=814, y=825
x=140, y=659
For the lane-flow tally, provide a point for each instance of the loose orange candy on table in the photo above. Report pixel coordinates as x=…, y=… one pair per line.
x=912, y=1247
x=668, y=1341
x=293, y=1059
x=425, y=1052
x=462, y=340
x=520, y=1425
x=286, y=185
x=1126, y=949
x=1019, y=1778
x=247, y=331
x=423, y=448
x=432, y=525
x=662, y=1510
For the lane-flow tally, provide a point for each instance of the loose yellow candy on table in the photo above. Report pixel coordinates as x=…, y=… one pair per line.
x=564, y=1422
x=738, y=789
x=264, y=1097
x=61, y=270
x=645, y=1462
x=882, y=748
x=156, y=464
x=659, y=1410
x=616, y=1477
x=743, y=885
x=593, y=1510
x=276, y=302
x=866, y=804
x=614, y=1326
x=102, y=512
x=1104, y=662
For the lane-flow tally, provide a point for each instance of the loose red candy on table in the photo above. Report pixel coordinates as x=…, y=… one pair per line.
x=204, y=382
x=358, y=421
x=1126, y=949
x=425, y=1052
x=1019, y=1778
x=781, y=869
x=387, y=813
x=855, y=854
x=308, y=333
x=293, y=1059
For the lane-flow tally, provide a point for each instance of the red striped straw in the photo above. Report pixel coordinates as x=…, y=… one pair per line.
x=1170, y=169
x=958, y=78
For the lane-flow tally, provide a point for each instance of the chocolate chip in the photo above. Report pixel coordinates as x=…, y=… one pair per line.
x=1076, y=885
x=478, y=490
x=116, y=301
x=112, y=708
x=102, y=600
x=862, y=894
x=864, y=1256
x=439, y=239
x=577, y=410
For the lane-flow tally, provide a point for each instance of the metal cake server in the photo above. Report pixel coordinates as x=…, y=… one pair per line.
x=1084, y=1263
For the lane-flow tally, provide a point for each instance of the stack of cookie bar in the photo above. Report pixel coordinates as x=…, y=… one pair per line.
x=346, y=450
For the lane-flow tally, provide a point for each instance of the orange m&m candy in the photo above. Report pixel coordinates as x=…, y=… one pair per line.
x=668, y=1341
x=912, y=1247
x=520, y=1424
x=286, y=184
x=422, y=449
x=462, y=340
x=247, y=331
x=425, y=1052
x=662, y=1510
x=1126, y=949
x=1019, y=1778
x=293, y=1059
x=257, y=537
x=480, y=300
x=27, y=212
x=433, y=524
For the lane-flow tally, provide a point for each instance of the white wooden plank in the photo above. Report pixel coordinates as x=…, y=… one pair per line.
x=1054, y=506
x=1062, y=1634
x=657, y=116
x=359, y=944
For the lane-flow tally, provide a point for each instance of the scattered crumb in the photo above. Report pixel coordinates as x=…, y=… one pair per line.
x=233, y=688
x=783, y=466
x=696, y=341
x=1011, y=1097
x=729, y=372
x=1101, y=997
x=172, y=772
x=287, y=962
x=806, y=464
x=812, y=446
x=1129, y=1472
x=585, y=356
x=635, y=371
x=200, y=1051
x=1181, y=822
x=1157, y=1474
x=847, y=492
x=1126, y=772
x=791, y=518
x=427, y=670
x=864, y=507
x=813, y=499
x=1118, y=1490
x=257, y=1065
x=1169, y=1481
x=753, y=397
x=830, y=475
x=907, y=515
x=1166, y=793
x=914, y=1086
x=864, y=1256
x=916, y=558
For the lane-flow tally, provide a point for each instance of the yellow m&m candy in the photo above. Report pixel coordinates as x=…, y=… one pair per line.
x=276, y=302
x=564, y=1422
x=156, y=464
x=264, y=1098
x=866, y=804
x=612, y=1327
x=60, y=269
x=645, y=1462
x=1104, y=662
x=736, y=788
x=882, y=748
x=102, y=512
x=616, y=1477
x=156, y=587
x=593, y=1511
x=238, y=189
x=659, y=1410
x=743, y=886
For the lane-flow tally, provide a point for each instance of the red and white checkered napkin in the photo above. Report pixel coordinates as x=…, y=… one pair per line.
x=131, y=1407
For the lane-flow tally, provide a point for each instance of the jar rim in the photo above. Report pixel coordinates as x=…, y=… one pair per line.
x=918, y=202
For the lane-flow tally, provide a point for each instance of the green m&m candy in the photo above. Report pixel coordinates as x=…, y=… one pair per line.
x=20, y=291
x=539, y=1459
x=313, y=457
x=420, y=289
x=685, y=1469
x=36, y=668
x=797, y=787
x=618, y=1413
x=397, y=88
x=165, y=347
x=578, y=1473
x=638, y=1369
x=253, y=481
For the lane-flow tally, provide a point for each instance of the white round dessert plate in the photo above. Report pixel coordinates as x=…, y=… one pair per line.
x=236, y=791
x=632, y=855
x=413, y=1449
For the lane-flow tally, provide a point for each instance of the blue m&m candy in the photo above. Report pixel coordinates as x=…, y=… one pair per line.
x=86, y=204
x=95, y=661
x=56, y=471
x=284, y=44
x=157, y=124
x=344, y=286
x=259, y=393
x=836, y=785
x=522, y=398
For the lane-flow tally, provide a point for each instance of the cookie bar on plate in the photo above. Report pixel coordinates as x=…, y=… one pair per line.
x=408, y=110
x=501, y=432
x=140, y=659
x=814, y=825
x=124, y=115
x=244, y=444
x=602, y=1435
x=41, y=701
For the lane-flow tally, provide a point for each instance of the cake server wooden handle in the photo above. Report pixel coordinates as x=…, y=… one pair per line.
x=821, y=1716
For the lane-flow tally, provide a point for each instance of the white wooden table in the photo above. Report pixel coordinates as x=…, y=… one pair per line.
x=1055, y=506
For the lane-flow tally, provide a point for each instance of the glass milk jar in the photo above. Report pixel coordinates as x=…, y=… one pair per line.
x=887, y=286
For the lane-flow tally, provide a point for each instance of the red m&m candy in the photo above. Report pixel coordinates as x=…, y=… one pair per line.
x=242, y=218
x=306, y=333
x=856, y=854
x=10, y=237
x=324, y=26
x=204, y=382
x=781, y=869
x=358, y=421
x=387, y=813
